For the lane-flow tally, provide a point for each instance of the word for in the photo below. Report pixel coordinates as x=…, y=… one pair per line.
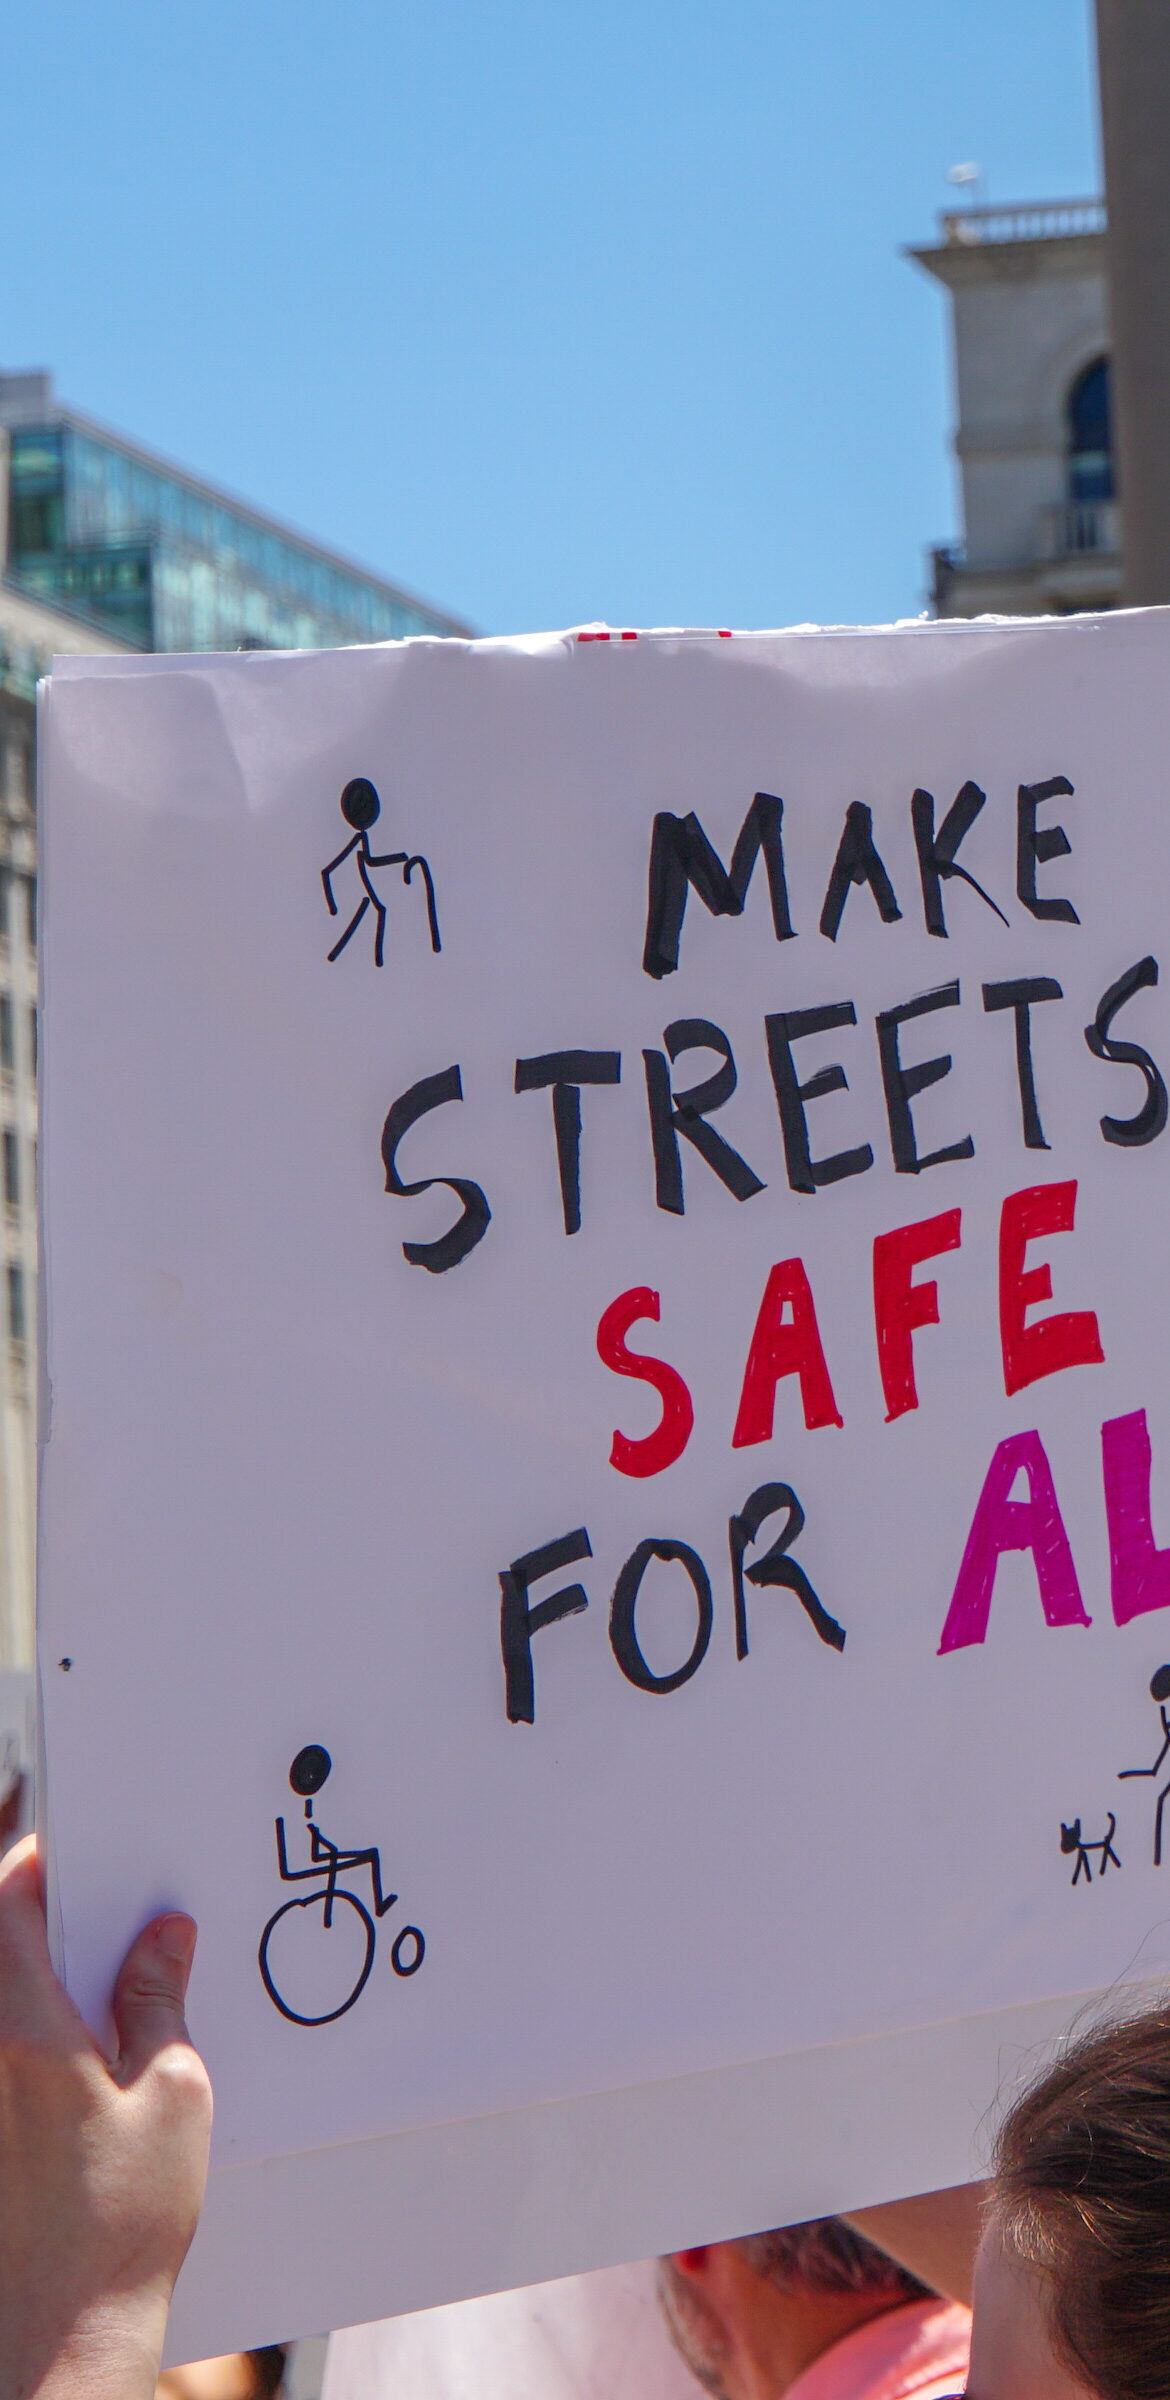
x=787, y=1339
x=776, y=1570
x=678, y=1117
x=1139, y=1570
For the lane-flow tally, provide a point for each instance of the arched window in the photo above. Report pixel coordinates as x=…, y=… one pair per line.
x=1090, y=435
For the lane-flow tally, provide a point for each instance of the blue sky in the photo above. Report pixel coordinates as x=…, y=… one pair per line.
x=549, y=312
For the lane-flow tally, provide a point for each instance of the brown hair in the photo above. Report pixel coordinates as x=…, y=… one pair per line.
x=1082, y=2194
x=828, y=2255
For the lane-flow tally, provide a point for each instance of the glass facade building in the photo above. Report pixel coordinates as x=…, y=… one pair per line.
x=151, y=555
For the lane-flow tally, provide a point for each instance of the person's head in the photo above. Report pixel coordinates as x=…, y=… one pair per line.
x=360, y=805
x=309, y=1770
x=748, y=2316
x=1072, y=2284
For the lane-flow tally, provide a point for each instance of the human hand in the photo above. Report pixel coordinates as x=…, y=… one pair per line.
x=102, y=2163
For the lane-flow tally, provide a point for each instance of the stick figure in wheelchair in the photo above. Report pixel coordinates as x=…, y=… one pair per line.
x=307, y=1774
x=307, y=2002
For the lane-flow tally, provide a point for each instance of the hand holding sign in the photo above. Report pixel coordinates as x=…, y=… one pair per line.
x=103, y=2163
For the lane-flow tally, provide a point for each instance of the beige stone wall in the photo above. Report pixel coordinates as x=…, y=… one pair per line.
x=1028, y=315
x=1133, y=46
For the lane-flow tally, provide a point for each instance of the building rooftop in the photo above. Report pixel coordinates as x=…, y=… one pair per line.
x=147, y=551
x=1023, y=221
x=1029, y=312
x=1027, y=237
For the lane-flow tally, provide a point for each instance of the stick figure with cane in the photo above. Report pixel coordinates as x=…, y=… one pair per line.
x=1159, y=1691
x=361, y=808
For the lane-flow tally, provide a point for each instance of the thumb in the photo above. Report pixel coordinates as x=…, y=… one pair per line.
x=150, y=1992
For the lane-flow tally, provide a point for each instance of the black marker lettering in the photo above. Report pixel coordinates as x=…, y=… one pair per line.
x=1022, y=996
x=1150, y=1121
x=518, y=1622
x=471, y=1226
x=806, y=1174
x=1031, y=847
x=566, y=1071
x=902, y=1082
x=774, y=1571
x=672, y=1113
x=936, y=851
x=622, y=1627
x=682, y=859
x=857, y=861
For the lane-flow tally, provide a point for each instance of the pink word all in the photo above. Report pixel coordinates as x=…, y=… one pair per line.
x=1139, y=1573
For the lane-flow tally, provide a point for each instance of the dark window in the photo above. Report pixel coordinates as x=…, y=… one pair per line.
x=36, y=524
x=32, y=1039
x=1090, y=435
x=30, y=907
x=7, y=1034
x=11, y=1167
x=16, y=1312
x=36, y=485
x=36, y=461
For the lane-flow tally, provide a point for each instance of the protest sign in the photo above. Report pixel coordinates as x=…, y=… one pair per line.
x=606, y=1480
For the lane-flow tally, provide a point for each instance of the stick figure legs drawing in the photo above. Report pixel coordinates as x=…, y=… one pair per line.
x=361, y=808
x=1159, y=1691
x=316, y=1953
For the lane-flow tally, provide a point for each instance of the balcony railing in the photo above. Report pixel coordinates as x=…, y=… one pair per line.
x=1039, y=221
x=1071, y=533
x=1080, y=529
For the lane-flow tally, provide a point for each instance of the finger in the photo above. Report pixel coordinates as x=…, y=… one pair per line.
x=20, y=1875
x=150, y=1992
x=27, y=1982
x=18, y=1855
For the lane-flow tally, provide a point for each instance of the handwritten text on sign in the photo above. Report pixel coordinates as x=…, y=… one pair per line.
x=787, y=1340
x=568, y=1164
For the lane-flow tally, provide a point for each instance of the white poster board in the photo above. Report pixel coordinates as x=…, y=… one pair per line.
x=433, y=1035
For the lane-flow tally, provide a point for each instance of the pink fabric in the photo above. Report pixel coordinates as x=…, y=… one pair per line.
x=919, y=2350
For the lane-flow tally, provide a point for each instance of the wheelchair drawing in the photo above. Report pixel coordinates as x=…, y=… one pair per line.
x=323, y=1944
